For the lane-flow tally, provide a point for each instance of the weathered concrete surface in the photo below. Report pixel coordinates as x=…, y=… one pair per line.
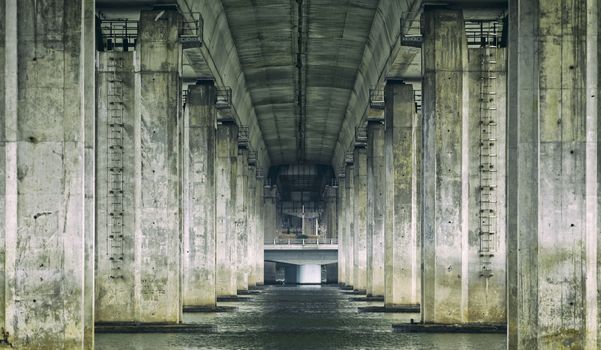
x=241, y=221
x=342, y=238
x=464, y=171
x=225, y=183
x=444, y=222
x=375, y=63
x=403, y=196
x=158, y=93
x=360, y=219
x=45, y=105
x=376, y=188
x=553, y=183
x=487, y=84
x=260, y=223
x=252, y=227
x=198, y=149
x=350, y=225
x=88, y=57
x=115, y=234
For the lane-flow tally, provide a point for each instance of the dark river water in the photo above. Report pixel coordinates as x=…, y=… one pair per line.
x=302, y=317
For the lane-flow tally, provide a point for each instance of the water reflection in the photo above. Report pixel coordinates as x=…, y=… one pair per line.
x=301, y=317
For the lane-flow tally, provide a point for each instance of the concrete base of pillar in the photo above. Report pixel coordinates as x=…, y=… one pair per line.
x=449, y=328
x=209, y=309
x=134, y=327
x=401, y=309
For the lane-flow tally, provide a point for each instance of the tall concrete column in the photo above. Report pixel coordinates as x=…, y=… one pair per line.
x=444, y=293
x=241, y=223
x=553, y=182
x=115, y=183
x=260, y=222
x=198, y=270
x=252, y=245
x=331, y=220
x=350, y=225
x=157, y=187
x=360, y=211
x=341, y=209
x=403, y=199
x=225, y=182
x=138, y=180
x=44, y=105
x=463, y=278
x=270, y=214
x=376, y=188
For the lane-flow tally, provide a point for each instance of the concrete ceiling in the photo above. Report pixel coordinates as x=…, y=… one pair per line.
x=334, y=37
x=346, y=46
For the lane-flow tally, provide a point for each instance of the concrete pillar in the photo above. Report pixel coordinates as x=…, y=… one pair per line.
x=157, y=203
x=360, y=211
x=376, y=188
x=403, y=198
x=350, y=225
x=330, y=213
x=241, y=224
x=552, y=180
x=260, y=222
x=225, y=182
x=198, y=270
x=270, y=216
x=115, y=168
x=341, y=209
x=444, y=288
x=486, y=128
x=464, y=124
x=252, y=245
x=44, y=105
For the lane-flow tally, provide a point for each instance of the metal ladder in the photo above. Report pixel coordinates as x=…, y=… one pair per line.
x=488, y=159
x=115, y=136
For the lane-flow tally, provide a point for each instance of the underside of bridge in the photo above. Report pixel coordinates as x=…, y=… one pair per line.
x=157, y=155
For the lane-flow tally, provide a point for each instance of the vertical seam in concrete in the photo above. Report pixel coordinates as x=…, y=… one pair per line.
x=591, y=306
x=11, y=110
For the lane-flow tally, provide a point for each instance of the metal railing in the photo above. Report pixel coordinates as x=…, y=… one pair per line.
x=120, y=33
x=484, y=33
x=301, y=241
x=191, y=32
